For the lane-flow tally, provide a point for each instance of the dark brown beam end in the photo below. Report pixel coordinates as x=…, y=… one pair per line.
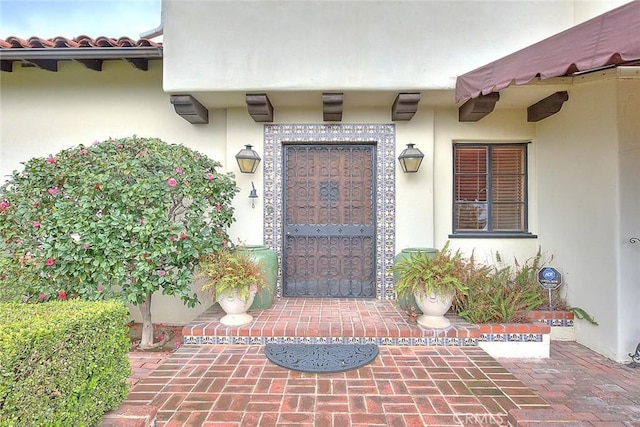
x=45, y=64
x=190, y=109
x=6, y=65
x=477, y=108
x=405, y=106
x=332, y=107
x=259, y=107
x=92, y=64
x=139, y=63
x=546, y=107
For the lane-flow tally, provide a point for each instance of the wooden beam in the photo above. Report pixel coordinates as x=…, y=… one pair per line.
x=477, y=108
x=332, y=106
x=405, y=106
x=7, y=65
x=45, y=64
x=139, y=63
x=190, y=109
x=92, y=64
x=546, y=107
x=259, y=106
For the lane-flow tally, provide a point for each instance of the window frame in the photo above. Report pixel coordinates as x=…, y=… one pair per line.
x=489, y=233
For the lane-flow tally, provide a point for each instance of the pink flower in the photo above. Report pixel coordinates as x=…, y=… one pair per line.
x=4, y=205
x=141, y=221
x=62, y=295
x=53, y=191
x=95, y=143
x=172, y=238
x=218, y=208
x=183, y=236
x=196, y=158
x=178, y=170
x=171, y=182
x=85, y=246
x=18, y=241
x=36, y=224
x=162, y=273
x=49, y=262
x=100, y=288
x=42, y=296
x=51, y=160
x=210, y=176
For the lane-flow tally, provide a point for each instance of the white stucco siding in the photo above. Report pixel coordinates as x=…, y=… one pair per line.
x=578, y=220
x=629, y=157
x=324, y=45
x=44, y=112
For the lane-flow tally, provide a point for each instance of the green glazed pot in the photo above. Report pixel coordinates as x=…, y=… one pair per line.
x=407, y=302
x=269, y=262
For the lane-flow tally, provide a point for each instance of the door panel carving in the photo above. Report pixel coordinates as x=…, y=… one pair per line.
x=329, y=244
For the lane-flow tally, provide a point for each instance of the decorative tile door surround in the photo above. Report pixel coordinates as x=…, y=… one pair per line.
x=383, y=137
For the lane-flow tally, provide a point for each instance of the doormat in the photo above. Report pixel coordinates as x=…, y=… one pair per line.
x=321, y=358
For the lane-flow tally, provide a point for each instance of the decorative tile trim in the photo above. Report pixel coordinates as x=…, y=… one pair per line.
x=562, y=323
x=383, y=135
x=413, y=342
x=510, y=337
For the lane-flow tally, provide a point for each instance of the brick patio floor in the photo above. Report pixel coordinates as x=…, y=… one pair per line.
x=235, y=385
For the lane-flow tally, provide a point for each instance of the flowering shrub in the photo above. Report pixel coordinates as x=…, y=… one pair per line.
x=124, y=217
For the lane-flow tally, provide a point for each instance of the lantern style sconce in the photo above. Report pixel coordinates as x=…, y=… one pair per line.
x=410, y=159
x=248, y=159
x=253, y=196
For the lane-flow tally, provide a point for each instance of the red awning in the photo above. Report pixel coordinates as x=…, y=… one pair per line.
x=609, y=39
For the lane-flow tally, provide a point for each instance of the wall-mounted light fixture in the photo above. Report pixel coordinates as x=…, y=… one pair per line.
x=248, y=159
x=410, y=159
x=253, y=195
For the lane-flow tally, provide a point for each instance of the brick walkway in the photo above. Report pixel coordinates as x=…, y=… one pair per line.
x=596, y=390
x=581, y=387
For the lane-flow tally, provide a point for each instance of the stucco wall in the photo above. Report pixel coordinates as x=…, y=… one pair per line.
x=266, y=45
x=629, y=159
x=578, y=220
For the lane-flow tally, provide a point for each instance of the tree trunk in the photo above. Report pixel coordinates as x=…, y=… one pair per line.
x=146, y=341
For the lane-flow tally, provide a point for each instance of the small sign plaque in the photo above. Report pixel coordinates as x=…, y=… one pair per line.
x=549, y=278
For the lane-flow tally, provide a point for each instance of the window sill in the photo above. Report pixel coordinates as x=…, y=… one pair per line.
x=492, y=235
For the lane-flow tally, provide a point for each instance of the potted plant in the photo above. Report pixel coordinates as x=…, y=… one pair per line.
x=433, y=281
x=234, y=279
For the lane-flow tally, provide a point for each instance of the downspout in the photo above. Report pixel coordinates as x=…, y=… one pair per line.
x=158, y=31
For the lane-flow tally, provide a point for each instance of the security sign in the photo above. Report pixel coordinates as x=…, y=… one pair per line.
x=549, y=278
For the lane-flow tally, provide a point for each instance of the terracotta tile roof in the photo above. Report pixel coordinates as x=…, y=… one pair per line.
x=80, y=41
x=46, y=53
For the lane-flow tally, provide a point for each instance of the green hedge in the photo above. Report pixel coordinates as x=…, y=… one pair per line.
x=62, y=363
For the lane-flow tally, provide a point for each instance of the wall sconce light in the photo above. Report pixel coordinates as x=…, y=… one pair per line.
x=410, y=159
x=253, y=196
x=248, y=159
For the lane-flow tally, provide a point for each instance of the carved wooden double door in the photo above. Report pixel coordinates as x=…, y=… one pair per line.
x=329, y=220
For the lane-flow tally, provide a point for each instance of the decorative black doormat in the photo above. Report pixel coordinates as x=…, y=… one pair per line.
x=321, y=358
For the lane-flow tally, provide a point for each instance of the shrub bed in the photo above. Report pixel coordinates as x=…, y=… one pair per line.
x=62, y=362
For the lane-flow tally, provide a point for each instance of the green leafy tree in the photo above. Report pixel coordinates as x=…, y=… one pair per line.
x=120, y=218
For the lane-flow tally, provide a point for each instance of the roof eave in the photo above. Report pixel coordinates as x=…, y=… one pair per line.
x=70, y=53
